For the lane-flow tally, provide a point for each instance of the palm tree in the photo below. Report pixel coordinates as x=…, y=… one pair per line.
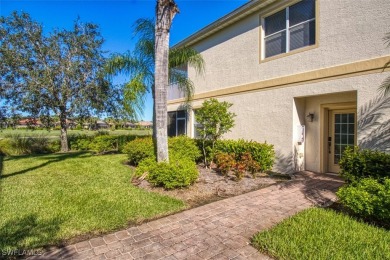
x=165, y=12
x=140, y=66
x=385, y=86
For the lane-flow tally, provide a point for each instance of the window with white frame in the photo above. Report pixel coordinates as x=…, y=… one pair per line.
x=196, y=126
x=177, y=123
x=290, y=29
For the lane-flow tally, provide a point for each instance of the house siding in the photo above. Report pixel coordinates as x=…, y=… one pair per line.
x=232, y=55
x=273, y=114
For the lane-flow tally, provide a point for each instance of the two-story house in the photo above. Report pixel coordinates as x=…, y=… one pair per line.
x=302, y=75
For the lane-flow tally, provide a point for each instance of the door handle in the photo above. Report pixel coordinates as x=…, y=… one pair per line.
x=329, y=145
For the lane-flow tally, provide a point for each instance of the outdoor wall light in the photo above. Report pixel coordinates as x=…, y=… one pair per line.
x=310, y=117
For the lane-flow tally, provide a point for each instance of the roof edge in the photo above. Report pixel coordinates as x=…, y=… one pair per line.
x=224, y=21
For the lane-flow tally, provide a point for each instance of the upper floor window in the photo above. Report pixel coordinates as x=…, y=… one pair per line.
x=290, y=29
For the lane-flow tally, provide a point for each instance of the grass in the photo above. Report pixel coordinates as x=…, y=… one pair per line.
x=324, y=234
x=56, y=133
x=48, y=199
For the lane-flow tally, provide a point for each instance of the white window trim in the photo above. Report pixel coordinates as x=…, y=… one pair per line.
x=185, y=124
x=288, y=28
x=193, y=123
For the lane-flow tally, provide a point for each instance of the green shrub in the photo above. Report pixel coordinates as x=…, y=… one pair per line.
x=144, y=166
x=208, y=152
x=356, y=164
x=251, y=165
x=183, y=147
x=80, y=142
x=139, y=149
x=54, y=146
x=6, y=147
x=20, y=144
x=225, y=162
x=216, y=120
x=122, y=141
x=176, y=174
x=39, y=144
x=99, y=142
x=367, y=198
x=102, y=132
x=180, y=147
x=239, y=170
x=104, y=143
x=262, y=153
x=16, y=144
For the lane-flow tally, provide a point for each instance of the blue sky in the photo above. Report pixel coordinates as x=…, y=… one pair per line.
x=116, y=17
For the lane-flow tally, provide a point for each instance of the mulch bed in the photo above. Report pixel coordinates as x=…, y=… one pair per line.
x=213, y=186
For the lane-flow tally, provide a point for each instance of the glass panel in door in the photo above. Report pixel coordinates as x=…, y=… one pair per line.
x=342, y=134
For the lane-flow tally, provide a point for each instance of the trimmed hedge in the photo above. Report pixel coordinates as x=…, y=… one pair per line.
x=356, y=164
x=105, y=143
x=262, y=153
x=178, y=173
x=139, y=149
x=80, y=142
x=179, y=147
x=99, y=143
x=181, y=170
x=183, y=147
x=368, y=198
x=23, y=145
x=367, y=174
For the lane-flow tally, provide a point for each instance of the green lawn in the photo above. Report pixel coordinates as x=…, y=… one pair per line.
x=56, y=133
x=51, y=198
x=324, y=234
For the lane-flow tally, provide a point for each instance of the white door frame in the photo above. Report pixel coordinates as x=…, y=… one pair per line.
x=324, y=133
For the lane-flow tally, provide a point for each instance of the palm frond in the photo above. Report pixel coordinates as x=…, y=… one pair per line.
x=183, y=82
x=186, y=56
x=385, y=86
x=387, y=39
x=143, y=28
x=139, y=66
x=370, y=115
x=120, y=64
x=134, y=97
x=144, y=49
x=378, y=138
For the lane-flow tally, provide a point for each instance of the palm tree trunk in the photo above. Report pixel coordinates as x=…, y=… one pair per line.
x=165, y=12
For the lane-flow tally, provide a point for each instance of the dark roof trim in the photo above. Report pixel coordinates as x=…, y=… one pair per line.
x=238, y=14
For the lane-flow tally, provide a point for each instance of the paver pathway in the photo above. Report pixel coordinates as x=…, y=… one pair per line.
x=219, y=230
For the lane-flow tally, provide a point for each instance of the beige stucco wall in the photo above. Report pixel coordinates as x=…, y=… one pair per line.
x=273, y=115
x=349, y=30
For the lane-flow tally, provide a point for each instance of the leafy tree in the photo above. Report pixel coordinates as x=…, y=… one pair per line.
x=13, y=119
x=3, y=117
x=215, y=120
x=58, y=73
x=140, y=66
x=385, y=86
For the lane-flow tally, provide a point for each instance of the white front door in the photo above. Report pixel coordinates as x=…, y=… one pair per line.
x=342, y=133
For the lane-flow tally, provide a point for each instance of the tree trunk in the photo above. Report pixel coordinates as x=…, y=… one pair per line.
x=64, y=133
x=165, y=11
x=154, y=122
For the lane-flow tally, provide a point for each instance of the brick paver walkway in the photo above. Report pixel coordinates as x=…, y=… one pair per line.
x=219, y=230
